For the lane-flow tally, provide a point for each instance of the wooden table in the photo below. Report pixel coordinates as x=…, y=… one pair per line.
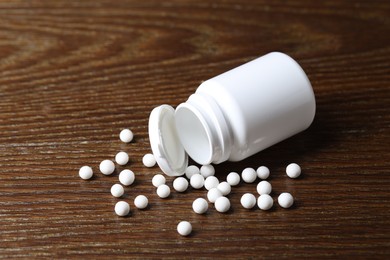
x=73, y=74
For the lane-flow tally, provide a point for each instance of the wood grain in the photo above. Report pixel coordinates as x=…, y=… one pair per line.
x=74, y=73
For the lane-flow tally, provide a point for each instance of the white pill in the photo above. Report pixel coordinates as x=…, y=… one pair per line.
x=233, y=179
x=249, y=175
x=207, y=170
x=197, y=181
x=107, y=167
x=180, y=184
x=158, y=180
x=148, y=160
x=163, y=191
x=224, y=188
x=264, y=187
x=222, y=204
x=200, y=205
x=265, y=202
x=122, y=208
x=184, y=228
x=293, y=170
x=213, y=194
x=191, y=170
x=85, y=172
x=141, y=201
x=248, y=200
x=262, y=172
x=117, y=190
x=285, y=200
x=126, y=135
x=126, y=177
x=211, y=182
x=122, y=158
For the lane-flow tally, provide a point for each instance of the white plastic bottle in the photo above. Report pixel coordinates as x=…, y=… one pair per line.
x=234, y=115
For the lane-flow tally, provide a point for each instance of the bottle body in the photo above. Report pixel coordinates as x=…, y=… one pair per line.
x=245, y=110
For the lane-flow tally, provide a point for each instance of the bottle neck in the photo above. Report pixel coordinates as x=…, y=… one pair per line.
x=203, y=130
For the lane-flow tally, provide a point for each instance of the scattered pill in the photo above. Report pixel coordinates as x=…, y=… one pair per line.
x=163, y=191
x=126, y=135
x=213, y=194
x=262, y=172
x=285, y=200
x=248, y=200
x=264, y=187
x=107, y=167
x=141, y=202
x=191, y=170
x=207, y=170
x=249, y=175
x=211, y=182
x=117, y=190
x=233, y=179
x=265, y=202
x=158, y=180
x=197, y=181
x=126, y=177
x=148, y=160
x=180, y=184
x=293, y=170
x=200, y=205
x=122, y=158
x=224, y=188
x=222, y=204
x=85, y=172
x=184, y=228
x=122, y=208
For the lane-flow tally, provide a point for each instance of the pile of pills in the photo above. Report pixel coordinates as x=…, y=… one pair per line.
x=126, y=177
x=217, y=192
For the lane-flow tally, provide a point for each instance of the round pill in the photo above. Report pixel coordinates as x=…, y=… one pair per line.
x=211, y=182
x=148, y=160
x=122, y=158
x=248, y=200
x=222, y=204
x=262, y=172
x=207, y=170
x=200, y=205
x=264, y=187
x=158, y=180
x=265, y=202
x=122, y=208
x=126, y=177
x=285, y=200
x=163, y=191
x=224, y=188
x=184, y=228
x=180, y=184
x=191, y=170
x=197, y=181
x=249, y=175
x=85, y=172
x=141, y=201
x=117, y=190
x=233, y=179
x=107, y=167
x=126, y=135
x=213, y=194
x=293, y=170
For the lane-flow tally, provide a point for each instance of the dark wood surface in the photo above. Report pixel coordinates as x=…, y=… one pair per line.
x=73, y=74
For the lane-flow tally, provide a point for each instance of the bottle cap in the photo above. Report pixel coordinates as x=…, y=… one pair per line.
x=165, y=143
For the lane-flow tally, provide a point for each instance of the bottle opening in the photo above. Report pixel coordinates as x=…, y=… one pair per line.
x=194, y=134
